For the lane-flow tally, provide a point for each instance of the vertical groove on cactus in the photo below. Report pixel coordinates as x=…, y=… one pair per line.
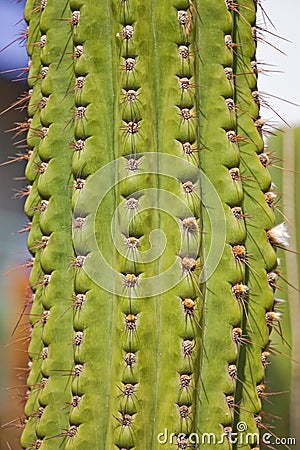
x=51, y=160
x=134, y=317
x=92, y=150
x=31, y=208
x=219, y=161
x=259, y=218
x=176, y=357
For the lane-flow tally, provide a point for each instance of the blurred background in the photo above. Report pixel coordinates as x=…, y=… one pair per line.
x=12, y=244
x=278, y=53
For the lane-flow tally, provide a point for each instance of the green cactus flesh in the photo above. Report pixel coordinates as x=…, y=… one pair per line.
x=151, y=226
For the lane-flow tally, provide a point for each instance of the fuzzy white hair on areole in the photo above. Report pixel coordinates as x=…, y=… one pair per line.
x=273, y=316
x=279, y=235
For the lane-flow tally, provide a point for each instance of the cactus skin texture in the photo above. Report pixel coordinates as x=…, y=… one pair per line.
x=154, y=102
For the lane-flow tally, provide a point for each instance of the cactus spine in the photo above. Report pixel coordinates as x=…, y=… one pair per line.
x=152, y=106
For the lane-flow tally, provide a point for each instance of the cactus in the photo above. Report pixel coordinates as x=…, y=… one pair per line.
x=152, y=229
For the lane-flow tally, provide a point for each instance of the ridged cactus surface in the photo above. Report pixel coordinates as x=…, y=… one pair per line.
x=152, y=226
